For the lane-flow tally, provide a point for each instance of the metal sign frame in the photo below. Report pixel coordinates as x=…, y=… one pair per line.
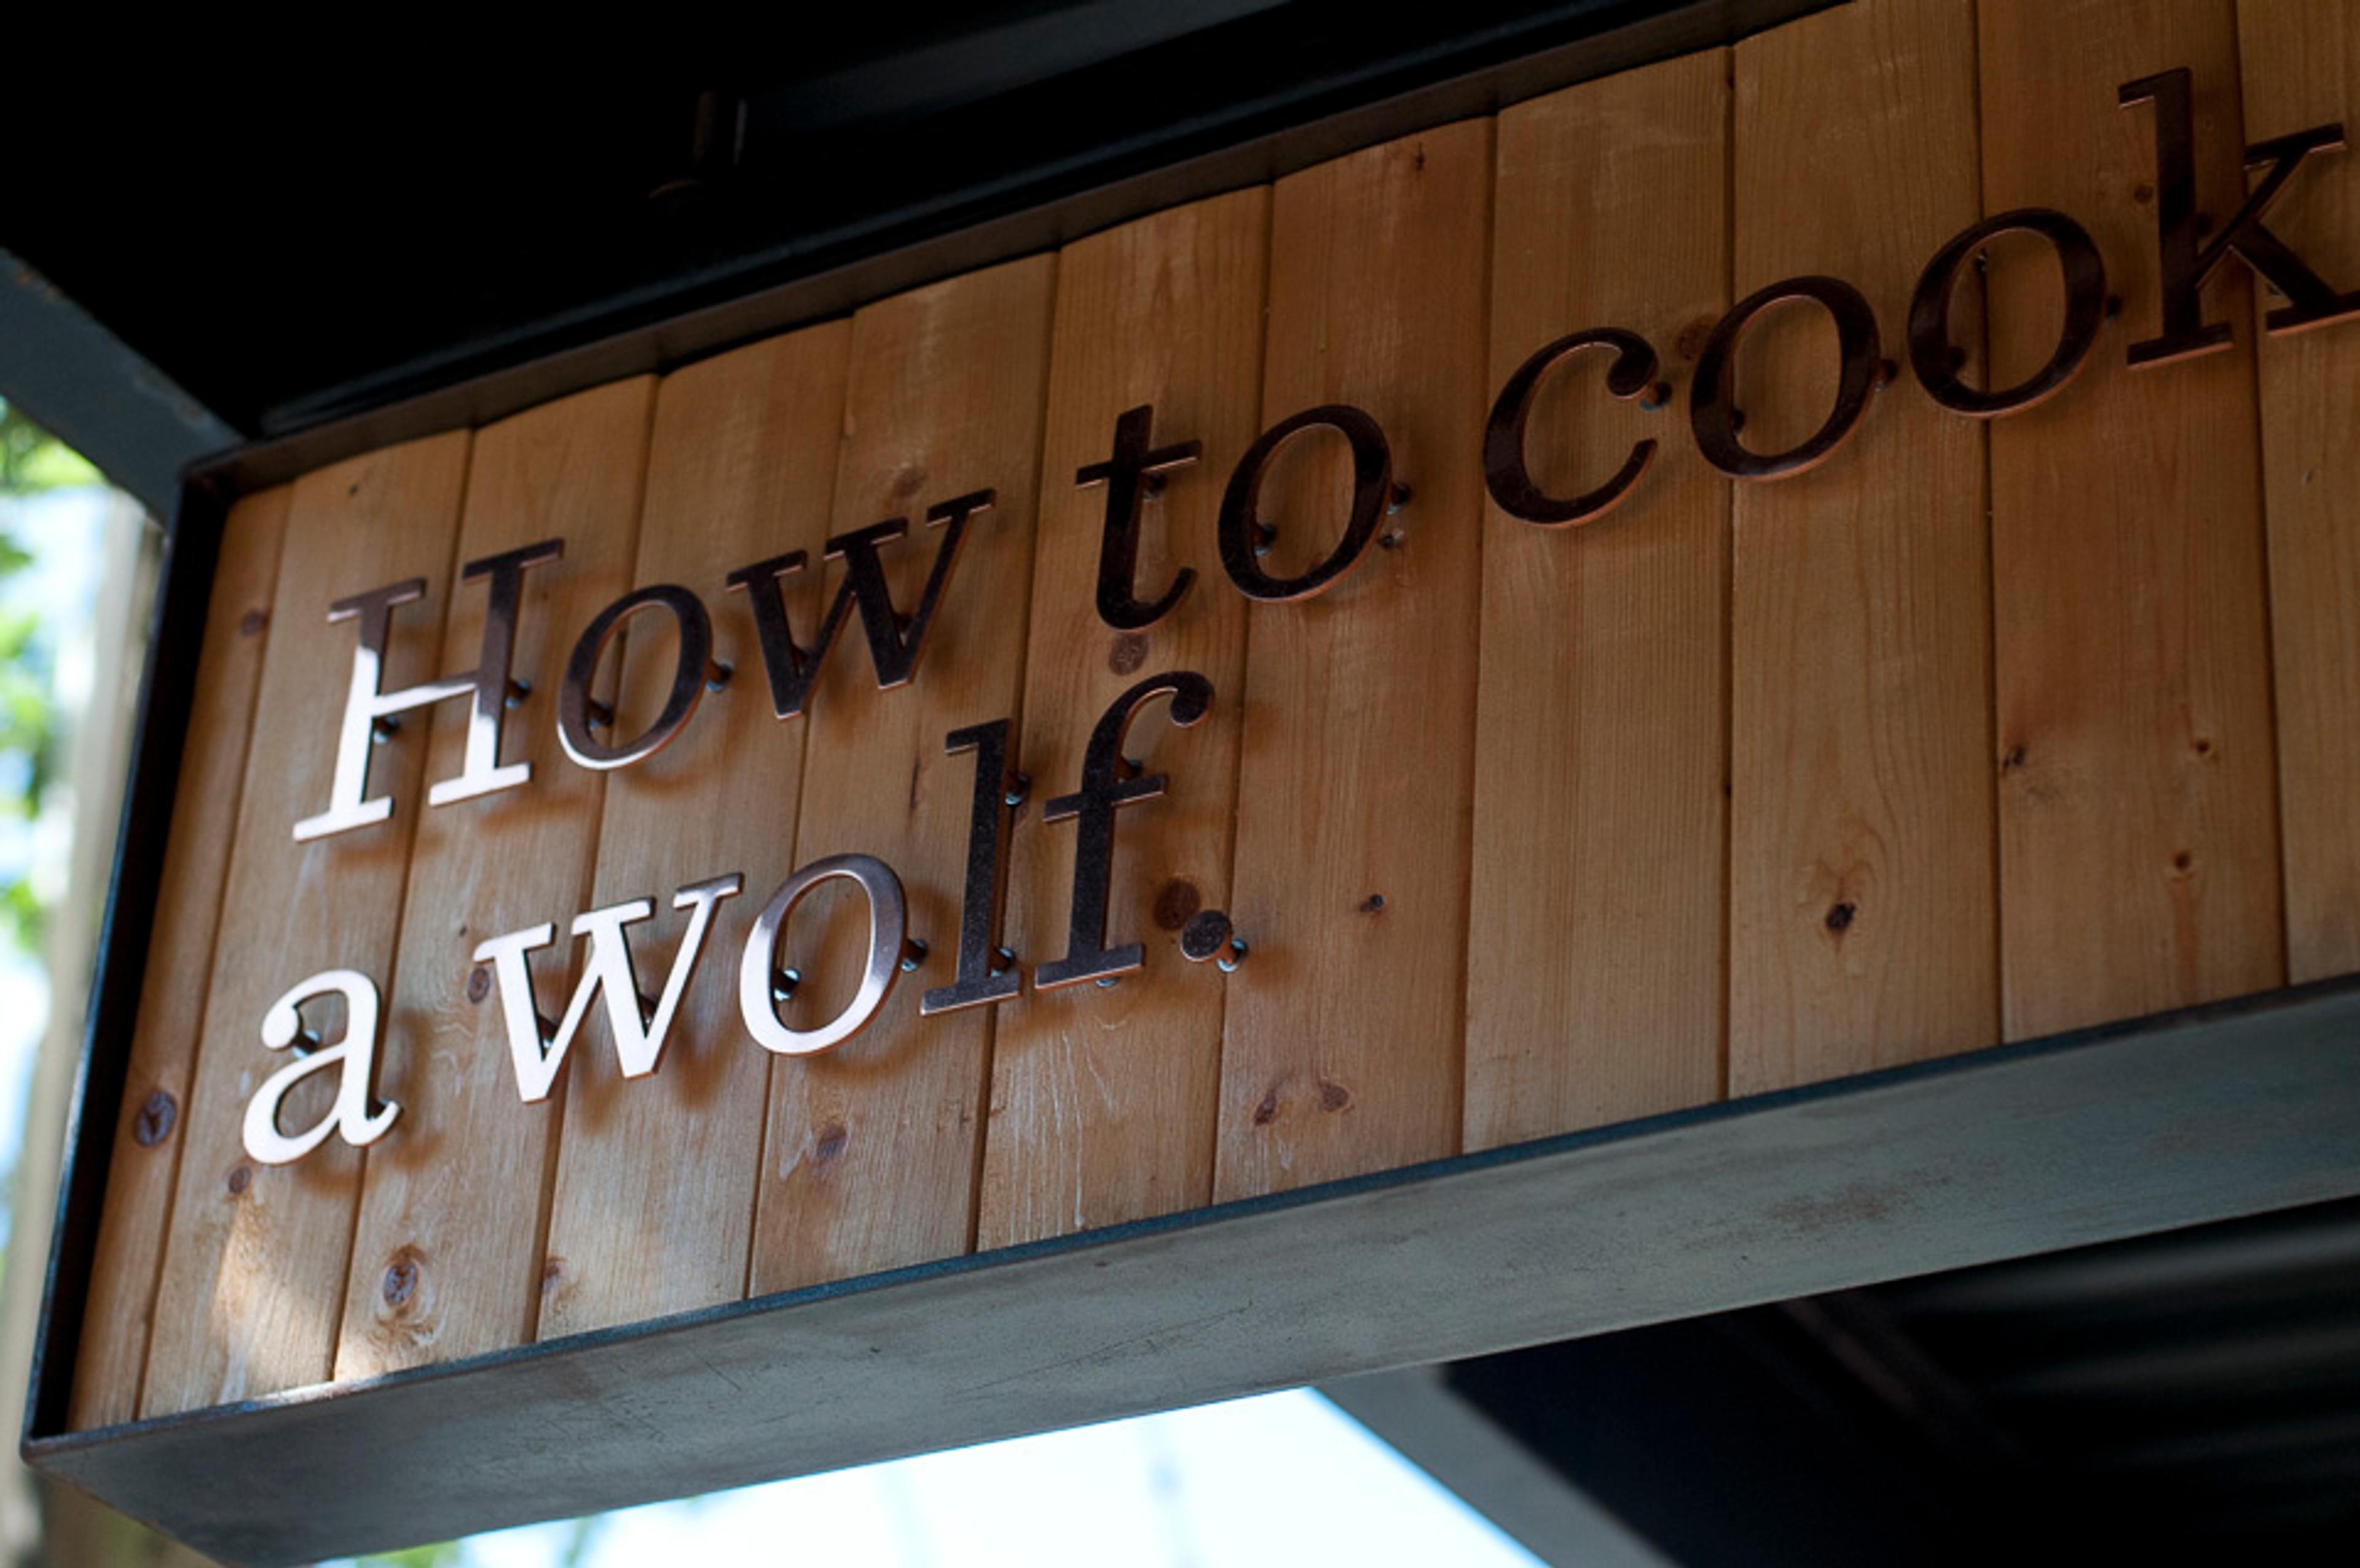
x=2122, y=1130
x=2227, y=1110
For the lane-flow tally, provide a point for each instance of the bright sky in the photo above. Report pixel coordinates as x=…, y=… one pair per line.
x=64, y=530
x=1281, y=1479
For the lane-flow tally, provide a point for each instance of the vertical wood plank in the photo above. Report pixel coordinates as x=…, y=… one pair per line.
x=2137, y=813
x=2300, y=63
x=254, y=1269
x=873, y=1150
x=444, y=1252
x=1596, y=989
x=1342, y=1048
x=1103, y=1101
x=1860, y=829
x=654, y=1183
x=147, y=1142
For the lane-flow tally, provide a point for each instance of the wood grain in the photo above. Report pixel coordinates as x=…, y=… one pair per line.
x=1595, y=981
x=873, y=1150
x=2139, y=867
x=254, y=1270
x=1342, y=1050
x=1103, y=1100
x=443, y=1255
x=654, y=1182
x=1862, y=929
x=137, y=1216
x=2300, y=64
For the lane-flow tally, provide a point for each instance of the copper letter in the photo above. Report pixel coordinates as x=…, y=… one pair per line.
x=1106, y=785
x=1372, y=483
x=1511, y=483
x=982, y=976
x=1125, y=476
x=690, y=671
x=887, y=935
x=358, y=1118
x=1713, y=414
x=2185, y=266
x=2085, y=312
x=794, y=670
x=369, y=712
x=639, y=1031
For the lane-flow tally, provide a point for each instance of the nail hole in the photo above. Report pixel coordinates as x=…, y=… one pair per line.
x=158, y=1112
x=1175, y=901
x=829, y=1145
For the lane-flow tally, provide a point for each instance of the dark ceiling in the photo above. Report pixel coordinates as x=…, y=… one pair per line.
x=296, y=237
x=2190, y=1396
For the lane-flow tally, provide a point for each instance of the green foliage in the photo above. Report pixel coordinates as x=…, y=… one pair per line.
x=32, y=460
x=443, y=1555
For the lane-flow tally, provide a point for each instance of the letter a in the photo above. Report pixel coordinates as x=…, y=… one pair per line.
x=355, y=1115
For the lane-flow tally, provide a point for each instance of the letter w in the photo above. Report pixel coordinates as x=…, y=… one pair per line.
x=639, y=1026
x=894, y=641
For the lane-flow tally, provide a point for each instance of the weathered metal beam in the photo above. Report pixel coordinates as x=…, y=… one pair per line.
x=2227, y=1110
x=95, y=393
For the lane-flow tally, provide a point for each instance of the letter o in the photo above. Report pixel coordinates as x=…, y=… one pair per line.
x=1711, y=413
x=1372, y=487
x=2085, y=313
x=687, y=680
x=1504, y=472
x=887, y=932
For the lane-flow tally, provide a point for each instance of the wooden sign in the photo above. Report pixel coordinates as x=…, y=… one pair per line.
x=1794, y=561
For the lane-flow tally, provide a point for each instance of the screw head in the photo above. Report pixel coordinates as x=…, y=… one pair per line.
x=1208, y=934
